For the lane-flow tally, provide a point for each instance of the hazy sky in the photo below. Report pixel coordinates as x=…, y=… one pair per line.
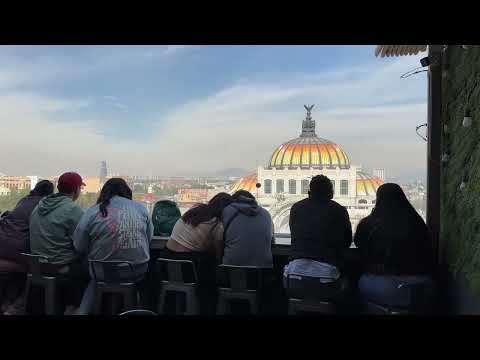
x=166, y=110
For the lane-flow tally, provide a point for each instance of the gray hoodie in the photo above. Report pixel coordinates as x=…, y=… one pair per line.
x=52, y=224
x=249, y=233
x=125, y=233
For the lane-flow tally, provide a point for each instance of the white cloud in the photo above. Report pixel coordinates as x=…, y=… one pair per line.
x=20, y=70
x=242, y=125
x=367, y=110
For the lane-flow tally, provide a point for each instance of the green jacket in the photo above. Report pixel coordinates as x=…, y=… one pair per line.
x=164, y=216
x=52, y=225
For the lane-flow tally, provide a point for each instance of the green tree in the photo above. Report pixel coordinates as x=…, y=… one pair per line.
x=87, y=200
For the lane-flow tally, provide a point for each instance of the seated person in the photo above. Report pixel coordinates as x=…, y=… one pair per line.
x=395, y=248
x=321, y=233
x=248, y=239
x=248, y=232
x=15, y=239
x=52, y=225
x=115, y=229
x=198, y=236
x=164, y=216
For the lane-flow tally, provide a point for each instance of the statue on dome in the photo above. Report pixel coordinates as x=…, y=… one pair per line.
x=308, y=125
x=309, y=110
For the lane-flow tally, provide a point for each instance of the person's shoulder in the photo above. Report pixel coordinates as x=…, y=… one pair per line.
x=72, y=205
x=228, y=210
x=142, y=209
x=365, y=222
x=264, y=211
x=338, y=206
x=301, y=203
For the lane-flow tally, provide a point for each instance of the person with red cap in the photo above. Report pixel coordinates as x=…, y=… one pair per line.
x=52, y=225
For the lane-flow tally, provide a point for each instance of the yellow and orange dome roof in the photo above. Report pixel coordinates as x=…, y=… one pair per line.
x=308, y=150
x=247, y=183
x=367, y=185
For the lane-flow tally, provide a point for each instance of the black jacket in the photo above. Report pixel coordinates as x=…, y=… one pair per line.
x=400, y=248
x=320, y=230
x=14, y=230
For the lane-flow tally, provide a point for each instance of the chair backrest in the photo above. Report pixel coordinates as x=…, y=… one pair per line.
x=38, y=265
x=109, y=270
x=310, y=288
x=177, y=271
x=140, y=312
x=241, y=278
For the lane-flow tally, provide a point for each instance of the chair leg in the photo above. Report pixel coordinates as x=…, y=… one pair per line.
x=254, y=306
x=51, y=298
x=28, y=287
x=292, y=309
x=97, y=309
x=179, y=309
x=161, y=301
x=130, y=299
x=191, y=302
x=223, y=306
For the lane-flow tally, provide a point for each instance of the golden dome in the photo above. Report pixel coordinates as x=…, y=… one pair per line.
x=309, y=150
x=247, y=183
x=367, y=185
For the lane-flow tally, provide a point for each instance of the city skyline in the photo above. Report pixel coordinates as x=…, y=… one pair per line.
x=148, y=110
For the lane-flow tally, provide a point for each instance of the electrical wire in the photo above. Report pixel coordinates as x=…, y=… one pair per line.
x=412, y=72
x=417, y=128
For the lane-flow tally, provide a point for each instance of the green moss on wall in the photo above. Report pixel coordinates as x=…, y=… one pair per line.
x=460, y=209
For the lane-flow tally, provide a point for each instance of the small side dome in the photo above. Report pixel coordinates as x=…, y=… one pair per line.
x=367, y=185
x=247, y=183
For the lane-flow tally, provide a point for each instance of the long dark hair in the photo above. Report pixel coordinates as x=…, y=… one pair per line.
x=392, y=203
x=205, y=212
x=113, y=187
x=43, y=188
x=399, y=234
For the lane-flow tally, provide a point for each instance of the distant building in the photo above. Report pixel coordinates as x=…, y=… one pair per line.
x=4, y=191
x=16, y=183
x=286, y=177
x=33, y=181
x=103, y=171
x=189, y=197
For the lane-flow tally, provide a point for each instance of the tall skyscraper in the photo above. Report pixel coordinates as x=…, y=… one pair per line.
x=103, y=171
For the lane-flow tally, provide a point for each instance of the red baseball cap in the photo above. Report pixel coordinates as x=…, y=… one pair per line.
x=70, y=181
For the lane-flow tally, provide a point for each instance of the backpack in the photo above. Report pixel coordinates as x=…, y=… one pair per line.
x=164, y=216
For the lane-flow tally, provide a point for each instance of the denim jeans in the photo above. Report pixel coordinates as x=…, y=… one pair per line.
x=385, y=290
x=88, y=299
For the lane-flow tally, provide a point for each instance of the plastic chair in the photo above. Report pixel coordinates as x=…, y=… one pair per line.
x=40, y=270
x=140, y=312
x=298, y=305
x=177, y=279
x=239, y=289
x=112, y=283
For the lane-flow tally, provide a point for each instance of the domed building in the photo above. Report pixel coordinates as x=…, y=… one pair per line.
x=285, y=180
